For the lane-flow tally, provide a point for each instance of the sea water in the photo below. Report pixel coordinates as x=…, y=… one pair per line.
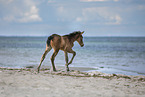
x=121, y=55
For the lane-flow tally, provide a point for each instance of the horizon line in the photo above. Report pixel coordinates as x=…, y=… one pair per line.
x=49, y=35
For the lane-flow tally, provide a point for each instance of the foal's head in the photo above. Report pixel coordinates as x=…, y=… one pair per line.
x=79, y=38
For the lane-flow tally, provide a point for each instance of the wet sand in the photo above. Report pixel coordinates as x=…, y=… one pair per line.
x=28, y=83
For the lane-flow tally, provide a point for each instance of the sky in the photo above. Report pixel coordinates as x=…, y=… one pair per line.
x=95, y=17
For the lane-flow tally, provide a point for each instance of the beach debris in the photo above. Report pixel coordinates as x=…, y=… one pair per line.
x=29, y=66
x=44, y=69
x=76, y=73
x=102, y=67
x=141, y=79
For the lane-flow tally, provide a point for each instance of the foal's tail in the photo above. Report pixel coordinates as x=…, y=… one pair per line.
x=49, y=39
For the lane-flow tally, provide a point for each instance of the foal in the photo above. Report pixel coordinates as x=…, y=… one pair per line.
x=64, y=43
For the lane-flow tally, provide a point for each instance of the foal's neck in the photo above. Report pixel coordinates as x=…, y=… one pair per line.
x=73, y=39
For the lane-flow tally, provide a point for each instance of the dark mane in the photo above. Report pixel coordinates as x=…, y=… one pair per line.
x=73, y=34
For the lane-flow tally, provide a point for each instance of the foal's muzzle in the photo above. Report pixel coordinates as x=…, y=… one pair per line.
x=82, y=45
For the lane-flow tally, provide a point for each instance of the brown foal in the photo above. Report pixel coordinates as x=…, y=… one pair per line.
x=64, y=43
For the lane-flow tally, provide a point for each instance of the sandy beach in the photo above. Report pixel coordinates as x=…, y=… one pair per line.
x=29, y=83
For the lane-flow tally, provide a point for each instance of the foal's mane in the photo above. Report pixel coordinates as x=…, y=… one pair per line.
x=73, y=34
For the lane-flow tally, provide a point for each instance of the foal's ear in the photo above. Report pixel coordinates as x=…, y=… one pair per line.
x=82, y=32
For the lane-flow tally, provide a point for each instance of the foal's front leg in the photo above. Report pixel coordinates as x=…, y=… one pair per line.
x=74, y=53
x=66, y=58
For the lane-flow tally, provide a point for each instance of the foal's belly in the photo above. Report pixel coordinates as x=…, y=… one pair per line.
x=62, y=48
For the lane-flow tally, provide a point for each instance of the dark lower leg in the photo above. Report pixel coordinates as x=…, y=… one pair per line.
x=42, y=58
x=53, y=66
x=52, y=60
x=66, y=60
x=74, y=53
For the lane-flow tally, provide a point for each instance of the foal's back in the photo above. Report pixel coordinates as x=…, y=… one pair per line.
x=61, y=42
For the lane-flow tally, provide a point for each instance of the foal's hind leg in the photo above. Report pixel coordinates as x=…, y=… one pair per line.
x=52, y=59
x=66, y=60
x=48, y=48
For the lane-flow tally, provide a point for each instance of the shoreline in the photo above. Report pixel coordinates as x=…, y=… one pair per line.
x=26, y=82
x=90, y=69
x=76, y=72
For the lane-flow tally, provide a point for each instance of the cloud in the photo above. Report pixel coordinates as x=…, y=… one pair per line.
x=78, y=19
x=6, y=2
x=97, y=0
x=93, y=0
x=31, y=15
x=100, y=15
x=88, y=14
x=141, y=7
x=67, y=14
x=51, y=1
x=20, y=11
x=117, y=20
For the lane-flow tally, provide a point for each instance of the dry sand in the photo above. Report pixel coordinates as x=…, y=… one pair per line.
x=28, y=83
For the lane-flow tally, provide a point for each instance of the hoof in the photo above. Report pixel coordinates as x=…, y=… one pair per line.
x=67, y=70
x=38, y=69
x=53, y=70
